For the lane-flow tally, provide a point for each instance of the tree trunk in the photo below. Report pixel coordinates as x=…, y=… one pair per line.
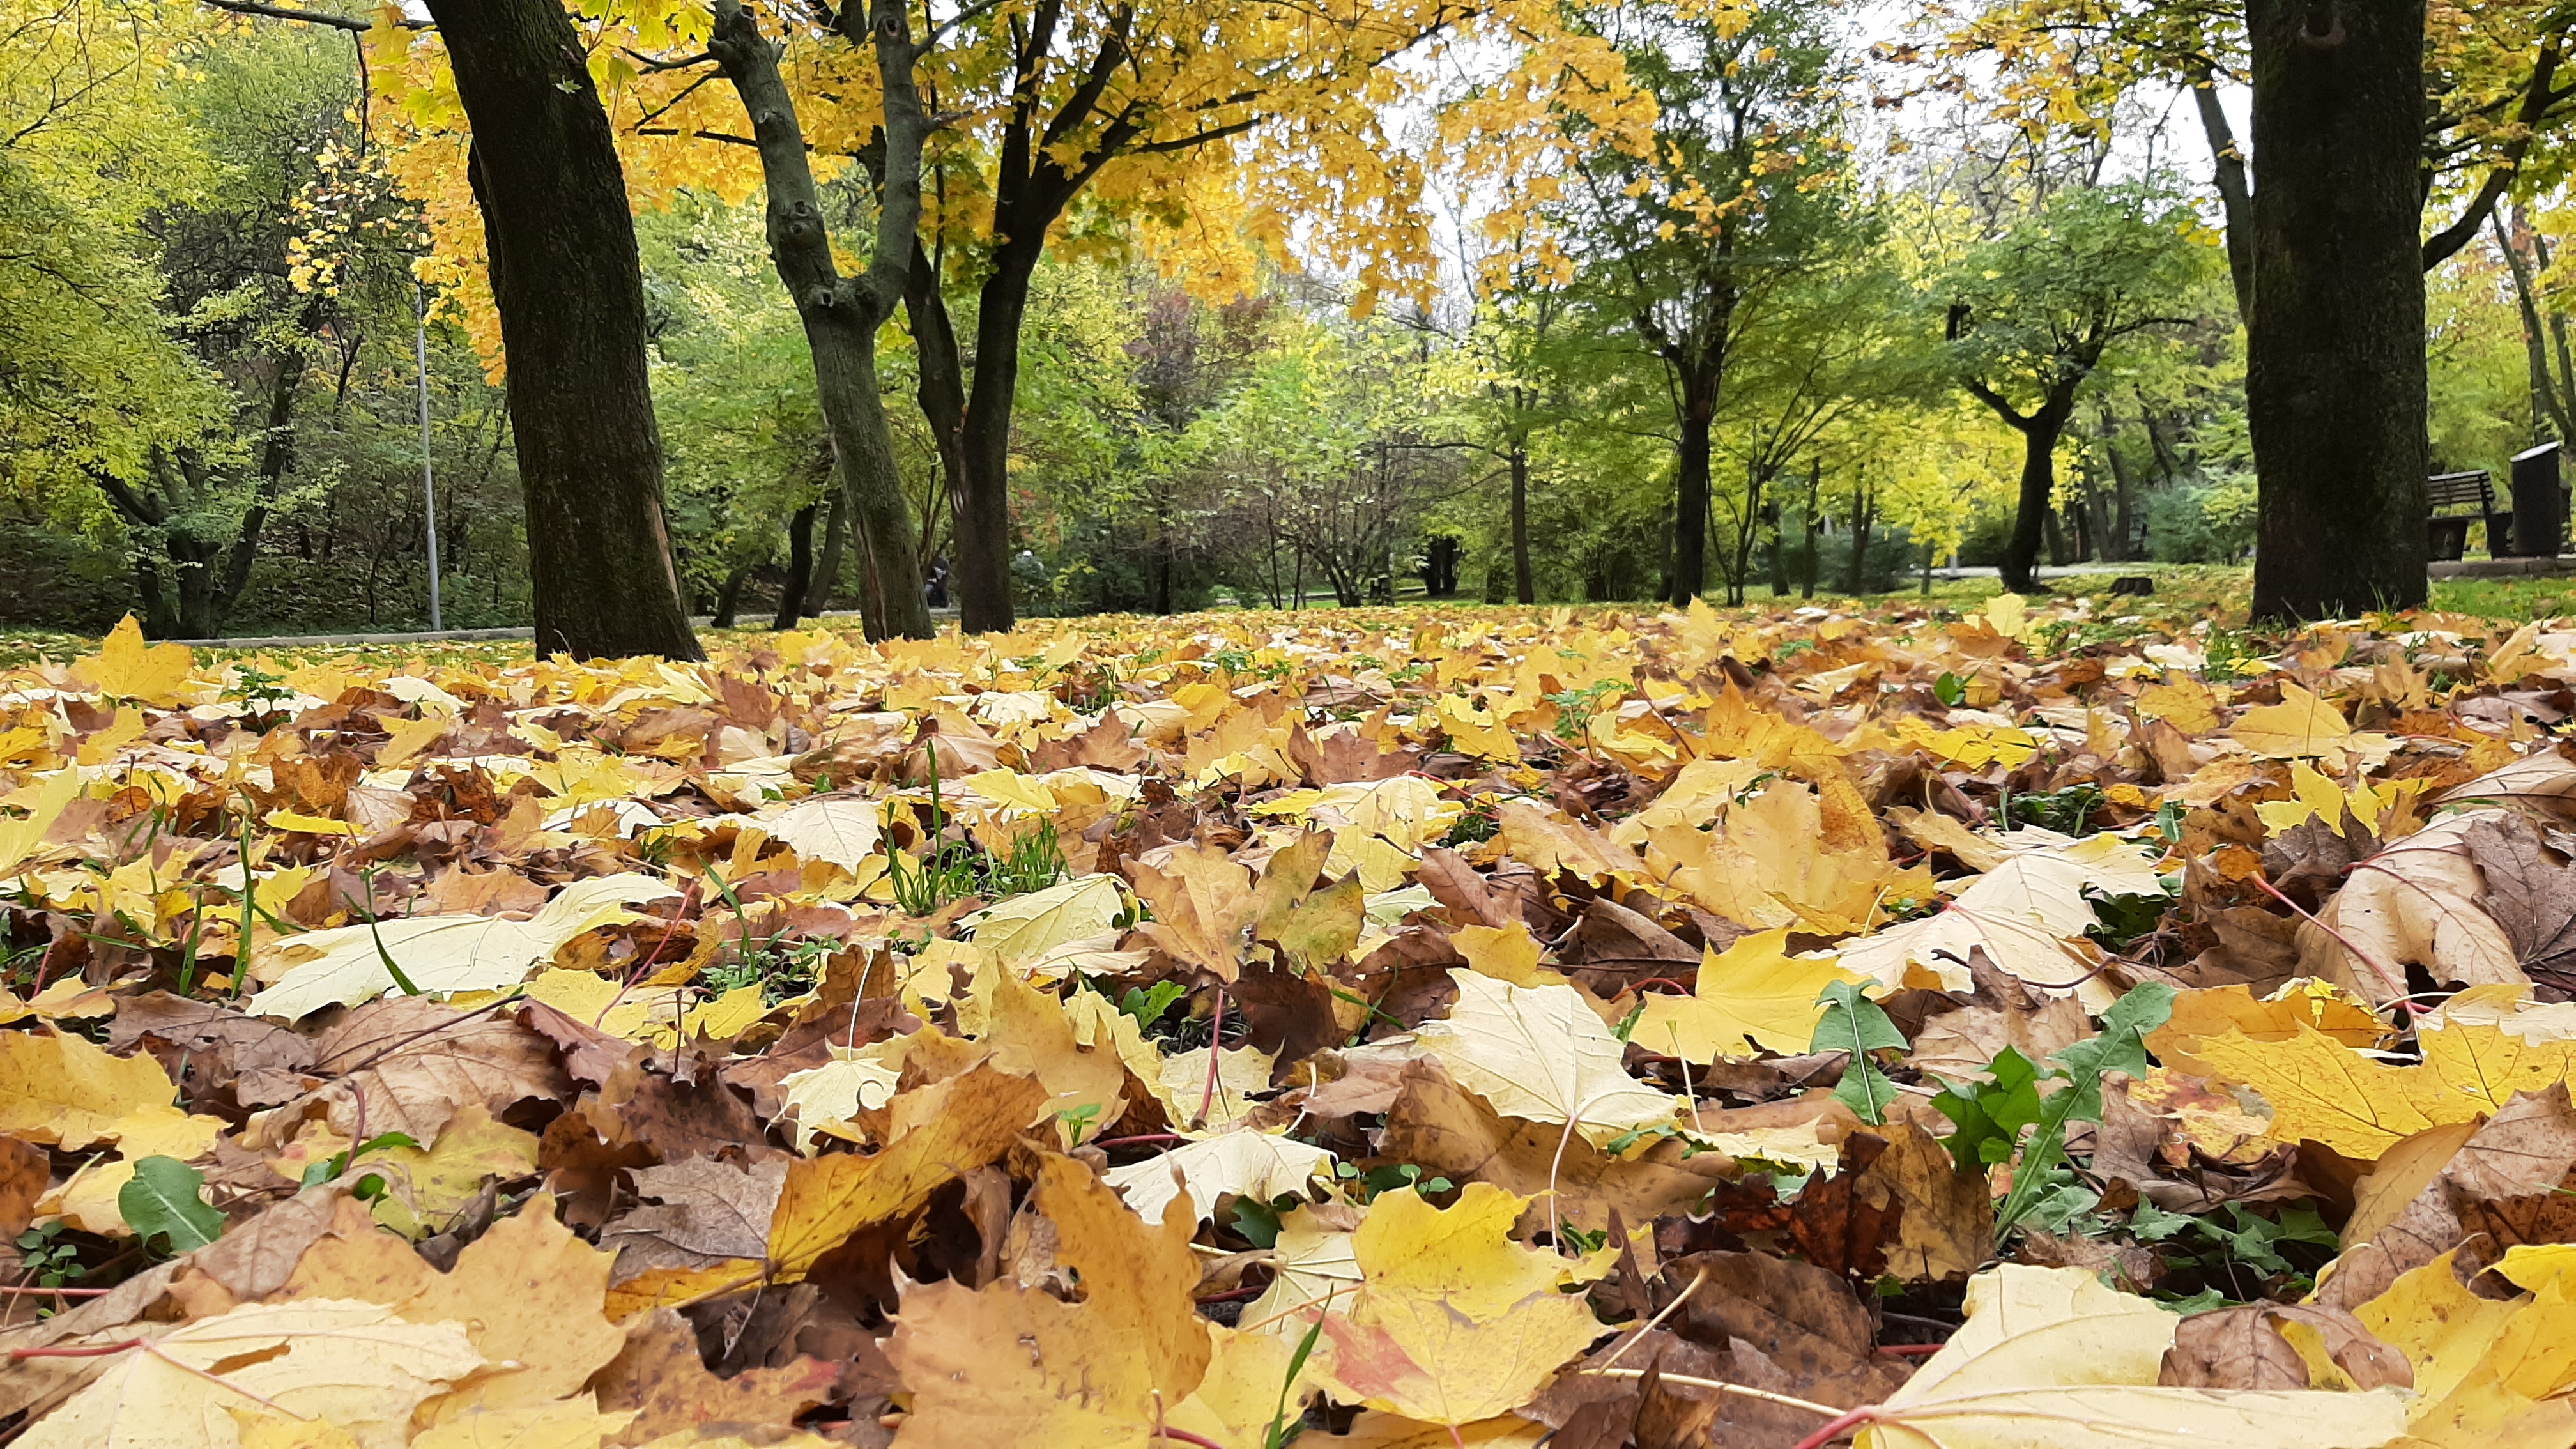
x=1690, y=499
x=2335, y=378
x=566, y=283
x=158, y=623
x=827, y=570
x=2034, y=511
x=1809, y=527
x=194, y=560
x=980, y=492
x=800, y=567
x=843, y=315
x=1524, y=586
x=1858, y=577
x=729, y=595
x=2236, y=200
x=2123, y=519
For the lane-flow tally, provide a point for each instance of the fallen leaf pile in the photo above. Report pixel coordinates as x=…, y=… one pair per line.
x=1381, y=1028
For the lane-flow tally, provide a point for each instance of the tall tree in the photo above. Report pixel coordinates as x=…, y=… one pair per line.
x=570, y=295
x=843, y=315
x=2031, y=314
x=1692, y=235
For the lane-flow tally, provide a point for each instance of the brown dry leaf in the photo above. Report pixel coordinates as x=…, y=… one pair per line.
x=2507, y=1178
x=2249, y=1347
x=406, y=1064
x=1104, y=1370
x=658, y=1375
x=2414, y=904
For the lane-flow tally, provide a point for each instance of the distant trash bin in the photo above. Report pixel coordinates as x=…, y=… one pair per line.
x=2539, y=503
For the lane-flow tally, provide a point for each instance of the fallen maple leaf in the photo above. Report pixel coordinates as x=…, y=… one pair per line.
x=1540, y=1053
x=1453, y=1321
x=441, y=954
x=351, y=1364
x=1754, y=992
x=2048, y=1356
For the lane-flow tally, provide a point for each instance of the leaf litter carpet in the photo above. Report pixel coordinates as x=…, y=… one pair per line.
x=1386, y=1028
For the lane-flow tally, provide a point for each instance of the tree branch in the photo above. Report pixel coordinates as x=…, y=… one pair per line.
x=311, y=17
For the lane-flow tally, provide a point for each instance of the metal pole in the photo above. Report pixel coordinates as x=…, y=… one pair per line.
x=428, y=481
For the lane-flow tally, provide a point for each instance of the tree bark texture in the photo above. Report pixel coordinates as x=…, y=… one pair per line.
x=2335, y=370
x=842, y=315
x=827, y=569
x=567, y=285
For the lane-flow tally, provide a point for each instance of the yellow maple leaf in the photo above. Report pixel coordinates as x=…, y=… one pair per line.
x=126, y=668
x=348, y=1363
x=1453, y=1321
x=2320, y=1089
x=2180, y=701
x=2489, y=1372
x=2048, y=1356
x=59, y=1089
x=1753, y=992
x=2305, y=726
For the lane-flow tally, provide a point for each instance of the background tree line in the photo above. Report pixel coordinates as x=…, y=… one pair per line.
x=1077, y=316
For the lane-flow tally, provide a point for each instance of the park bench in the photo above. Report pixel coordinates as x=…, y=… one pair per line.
x=2457, y=492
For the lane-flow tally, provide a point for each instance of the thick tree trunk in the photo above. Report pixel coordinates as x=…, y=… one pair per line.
x=842, y=315
x=566, y=283
x=1524, y=586
x=1690, y=502
x=2123, y=489
x=800, y=567
x=2335, y=371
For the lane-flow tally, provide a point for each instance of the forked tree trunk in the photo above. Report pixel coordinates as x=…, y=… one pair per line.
x=2335, y=372
x=570, y=294
x=842, y=315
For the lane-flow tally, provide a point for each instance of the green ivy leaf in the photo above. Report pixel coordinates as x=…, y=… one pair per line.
x=166, y=1199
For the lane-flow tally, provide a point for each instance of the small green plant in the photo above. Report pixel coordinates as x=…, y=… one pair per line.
x=1147, y=1004
x=263, y=696
x=2068, y=811
x=52, y=1262
x=1993, y=1116
x=1372, y=1181
x=1951, y=690
x=1577, y=706
x=2225, y=656
x=1031, y=861
x=2247, y=1240
x=164, y=1202
x=1477, y=826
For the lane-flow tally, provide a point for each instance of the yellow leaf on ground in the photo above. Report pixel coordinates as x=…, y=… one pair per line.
x=574, y=1423
x=127, y=668
x=1753, y=992
x=1540, y=1053
x=341, y=967
x=1246, y=1164
x=352, y=1364
x=2320, y=1089
x=2490, y=1373
x=1453, y=1321
x=1506, y=953
x=62, y=1090
x=2051, y=1359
